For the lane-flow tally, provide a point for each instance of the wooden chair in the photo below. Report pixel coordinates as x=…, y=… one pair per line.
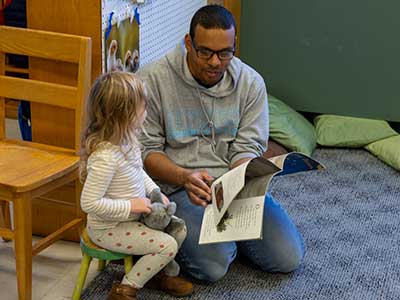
x=29, y=170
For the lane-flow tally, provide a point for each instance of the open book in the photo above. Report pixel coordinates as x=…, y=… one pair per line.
x=236, y=210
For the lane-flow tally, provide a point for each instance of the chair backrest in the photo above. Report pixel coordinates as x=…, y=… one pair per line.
x=55, y=47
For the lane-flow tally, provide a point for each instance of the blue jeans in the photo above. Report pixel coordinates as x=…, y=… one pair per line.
x=280, y=250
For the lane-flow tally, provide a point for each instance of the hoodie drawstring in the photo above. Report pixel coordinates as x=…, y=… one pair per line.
x=210, y=122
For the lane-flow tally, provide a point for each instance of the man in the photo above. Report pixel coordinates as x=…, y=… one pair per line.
x=207, y=113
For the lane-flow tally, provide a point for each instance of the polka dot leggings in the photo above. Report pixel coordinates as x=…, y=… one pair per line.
x=157, y=248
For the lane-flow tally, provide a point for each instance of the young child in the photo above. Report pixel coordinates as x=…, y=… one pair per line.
x=116, y=187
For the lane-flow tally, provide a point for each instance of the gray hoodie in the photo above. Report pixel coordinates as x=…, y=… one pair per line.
x=204, y=128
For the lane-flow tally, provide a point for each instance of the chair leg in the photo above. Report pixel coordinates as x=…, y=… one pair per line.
x=23, y=245
x=101, y=265
x=86, y=259
x=5, y=220
x=128, y=263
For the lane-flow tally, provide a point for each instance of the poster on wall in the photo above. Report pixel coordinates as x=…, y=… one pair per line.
x=122, y=47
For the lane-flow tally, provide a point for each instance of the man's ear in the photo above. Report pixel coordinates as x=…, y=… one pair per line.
x=188, y=42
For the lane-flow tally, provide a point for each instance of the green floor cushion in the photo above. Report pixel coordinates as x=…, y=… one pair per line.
x=289, y=128
x=387, y=150
x=341, y=131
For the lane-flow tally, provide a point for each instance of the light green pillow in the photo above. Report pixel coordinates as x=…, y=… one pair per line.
x=289, y=128
x=387, y=150
x=341, y=131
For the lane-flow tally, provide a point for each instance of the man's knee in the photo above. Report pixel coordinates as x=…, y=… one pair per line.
x=213, y=271
x=292, y=262
x=286, y=262
x=211, y=264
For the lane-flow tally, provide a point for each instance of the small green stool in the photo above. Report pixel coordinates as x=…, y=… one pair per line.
x=90, y=250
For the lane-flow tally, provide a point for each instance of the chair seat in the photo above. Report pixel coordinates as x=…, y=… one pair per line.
x=25, y=166
x=95, y=251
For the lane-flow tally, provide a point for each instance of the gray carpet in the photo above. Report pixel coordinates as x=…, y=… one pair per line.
x=349, y=216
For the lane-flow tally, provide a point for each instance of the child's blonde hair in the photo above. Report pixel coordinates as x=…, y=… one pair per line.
x=112, y=113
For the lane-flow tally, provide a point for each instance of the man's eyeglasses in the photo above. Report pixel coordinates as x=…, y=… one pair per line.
x=205, y=53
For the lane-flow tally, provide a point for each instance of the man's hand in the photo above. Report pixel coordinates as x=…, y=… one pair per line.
x=197, y=185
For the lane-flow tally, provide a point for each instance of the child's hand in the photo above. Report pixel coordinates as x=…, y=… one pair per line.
x=140, y=205
x=165, y=200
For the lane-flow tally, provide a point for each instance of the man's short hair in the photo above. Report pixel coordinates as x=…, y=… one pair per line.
x=212, y=17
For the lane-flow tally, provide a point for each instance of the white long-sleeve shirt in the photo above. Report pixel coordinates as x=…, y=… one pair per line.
x=114, y=176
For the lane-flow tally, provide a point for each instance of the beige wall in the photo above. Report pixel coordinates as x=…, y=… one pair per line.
x=220, y=2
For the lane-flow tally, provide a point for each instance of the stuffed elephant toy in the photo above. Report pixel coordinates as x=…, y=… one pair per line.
x=162, y=216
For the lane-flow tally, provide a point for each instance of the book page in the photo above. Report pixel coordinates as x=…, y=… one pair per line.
x=225, y=188
x=242, y=221
x=294, y=162
x=255, y=187
x=261, y=166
